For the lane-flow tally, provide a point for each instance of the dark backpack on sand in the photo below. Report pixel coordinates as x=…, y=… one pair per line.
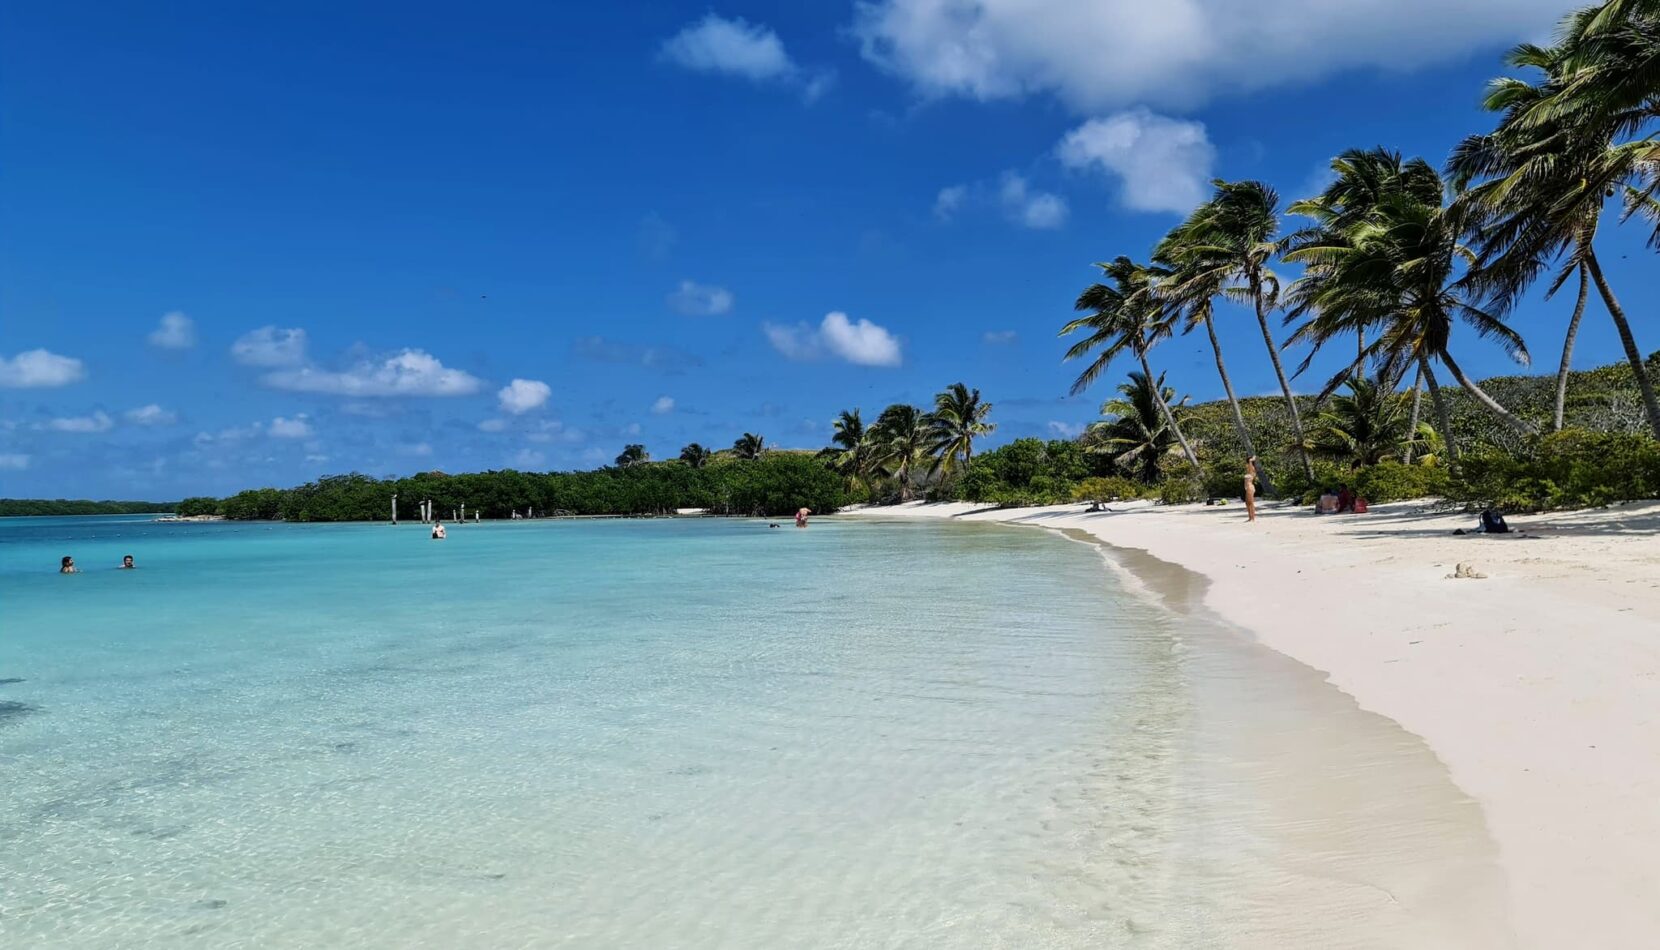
x=1493, y=523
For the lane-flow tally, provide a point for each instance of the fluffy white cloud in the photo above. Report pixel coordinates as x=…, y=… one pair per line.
x=949, y=201
x=1032, y=209
x=410, y=373
x=663, y=405
x=1162, y=164
x=270, y=346
x=999, y=337
x=295, y=428
x=736, y=47
x=522, y=395
x=861, y=342
x=528, y=459
x=151, y=415
x=13, y=461
x=1066, y=430
x=175, y=332
x=701, y=300
x=1111, y=53
x=715, y=44
x=97, y=422
x=39, y=369
x=492, y=425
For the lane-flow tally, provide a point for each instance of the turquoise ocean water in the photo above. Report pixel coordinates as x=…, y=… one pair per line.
x=679, y=733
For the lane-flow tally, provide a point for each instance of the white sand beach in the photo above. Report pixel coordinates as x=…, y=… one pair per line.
x=1538, y=685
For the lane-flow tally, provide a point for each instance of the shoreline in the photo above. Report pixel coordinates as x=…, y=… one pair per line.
x=1538, y=686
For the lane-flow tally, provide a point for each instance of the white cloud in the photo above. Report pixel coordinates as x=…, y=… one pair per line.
x=633, y=428
x=736, y=47
x=1032, y=209
x=151, y=415
x=949, y=201
x=717, y=45
x=701, y=300
x=1066, y=430
x=97, y=422
x=175, y=332
x=295, y=428
x=663, y=405
x=270, y=346
x=1162, y=164
x=410, y=373
x=999, y=337
x=316, y=458
x=528, y=459
x=492, y=425
x=13, y=461
x=1108, y=54
x=232, y=434
x=417, y=449
x=40, y=369
x=522, y=395
x=861, y=342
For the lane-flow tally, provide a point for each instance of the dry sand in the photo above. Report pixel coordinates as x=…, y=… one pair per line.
x=1538, y=685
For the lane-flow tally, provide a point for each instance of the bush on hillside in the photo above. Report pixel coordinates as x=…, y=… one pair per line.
x=1573, y=468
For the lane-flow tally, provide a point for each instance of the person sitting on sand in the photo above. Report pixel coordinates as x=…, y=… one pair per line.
x=127, y=562
x=68, y=566
x=801, y=517
x=1345, y=499
x=438, y=531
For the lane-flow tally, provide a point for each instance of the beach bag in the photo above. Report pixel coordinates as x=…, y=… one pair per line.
x=1360, y=505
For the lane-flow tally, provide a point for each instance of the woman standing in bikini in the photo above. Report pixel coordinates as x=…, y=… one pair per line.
x=1251, y=489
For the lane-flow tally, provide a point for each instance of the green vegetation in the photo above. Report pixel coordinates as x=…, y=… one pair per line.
x=41, y=507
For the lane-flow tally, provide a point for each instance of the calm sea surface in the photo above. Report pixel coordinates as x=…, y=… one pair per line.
x=689, y=733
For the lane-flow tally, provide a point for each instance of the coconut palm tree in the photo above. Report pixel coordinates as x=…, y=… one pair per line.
x=1122, y=316
x=1364, y=427
x=1400, y=270
x=1546, y=173
x=1223, y=250
x=1182, y=268
x=633, y=455
x=959, y=417
x=749, y=446
x=695, y=455
x=1135, y=432
x=900, y=439
x=851, y=450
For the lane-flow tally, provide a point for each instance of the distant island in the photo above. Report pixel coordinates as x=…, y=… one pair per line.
x=41, y=507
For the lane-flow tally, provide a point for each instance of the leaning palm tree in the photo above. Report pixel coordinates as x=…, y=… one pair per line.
x=1182, y=269
x=959, y=417
x=633, y=455
x=1546, y=172
x=1121, y=316
x=695, y=455
x=1400, y=270
x=749, y=446
x=1135, y=432
x=1223, y=250
x=850, y=451
x=1364, y=427
x=900, y=439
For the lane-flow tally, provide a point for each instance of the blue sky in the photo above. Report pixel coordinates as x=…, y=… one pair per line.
x=251, y=245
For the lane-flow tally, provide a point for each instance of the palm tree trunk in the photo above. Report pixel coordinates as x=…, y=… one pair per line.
x=1169, y=417
x=1285, y=387
x=1442, y=416
x=1417, y=404
x=1505, y=415
x=1227, y=387
x=1568, y=350
x=1635, y=358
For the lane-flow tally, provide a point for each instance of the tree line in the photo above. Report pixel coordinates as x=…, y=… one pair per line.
x=1395, y=253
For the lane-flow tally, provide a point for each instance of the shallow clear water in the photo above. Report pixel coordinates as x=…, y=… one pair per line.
x=701, y=733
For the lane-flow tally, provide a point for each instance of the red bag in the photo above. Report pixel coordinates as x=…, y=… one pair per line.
x=1360, y=505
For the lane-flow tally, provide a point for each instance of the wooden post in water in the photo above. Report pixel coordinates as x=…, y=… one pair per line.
x=394, y=509
x=463, y=512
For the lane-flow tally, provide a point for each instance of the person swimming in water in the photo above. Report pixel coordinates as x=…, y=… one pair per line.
x=801, y=517
x=438, y=531
x=68, y=566
x=127, y=563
